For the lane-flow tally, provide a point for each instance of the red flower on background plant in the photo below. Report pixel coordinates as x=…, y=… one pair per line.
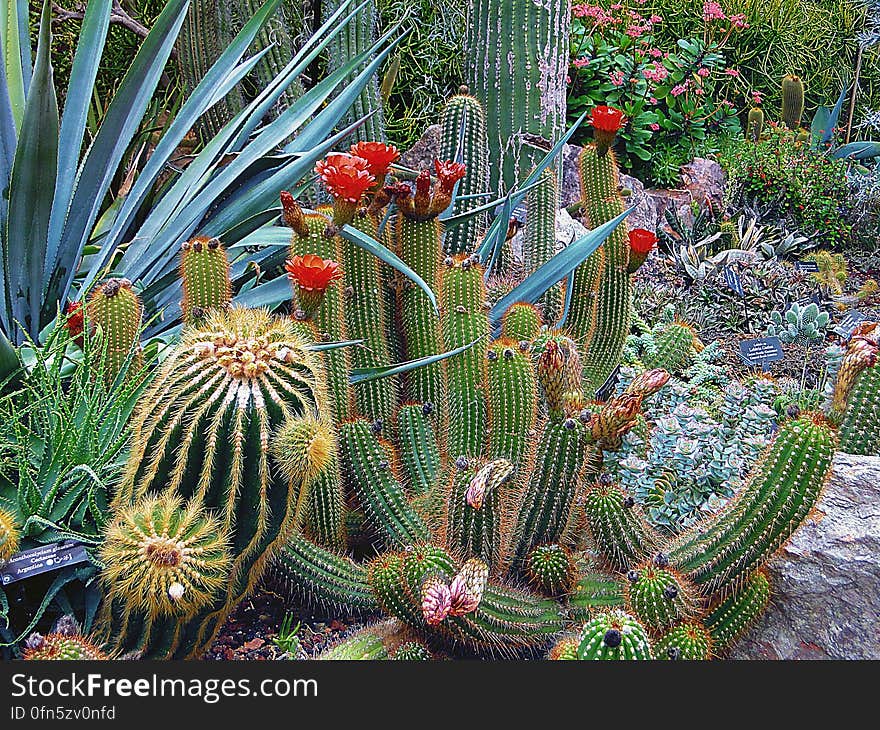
x=312, y=273
x=379, y=156
x=346, y=177
x=75, y=323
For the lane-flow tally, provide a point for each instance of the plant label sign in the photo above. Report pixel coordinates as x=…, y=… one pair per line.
x=810, y=267
x=731, y=278
x=42, y=559
x=607, y=388
x=760, y=351
x=848, y=323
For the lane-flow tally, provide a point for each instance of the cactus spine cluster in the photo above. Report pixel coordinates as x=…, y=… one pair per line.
x=10, y=534
x=114, y=314
x=516, y=61
x=614, y=635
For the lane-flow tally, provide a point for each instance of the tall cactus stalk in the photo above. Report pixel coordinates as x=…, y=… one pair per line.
x=516, y=61
x=465, y=120
x=114, y=313
x=539, y=239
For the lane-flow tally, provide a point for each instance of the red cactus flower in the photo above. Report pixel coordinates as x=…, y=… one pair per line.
x=312, y=273
x=449, y=173
x=293, y=214
x=75, y=323
x=346, y=177
x=641, y=240
x=379, y=156
x=606, y=119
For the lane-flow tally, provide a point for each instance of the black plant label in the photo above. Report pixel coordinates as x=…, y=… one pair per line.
x=35, y=561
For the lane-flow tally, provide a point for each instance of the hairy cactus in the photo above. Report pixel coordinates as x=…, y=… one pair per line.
x=511, y=398
x=10, y=534
x=566, y=649
x=202, y=432
x=792, y=102
x=676, y=346
x=204, y=273
x=61, y=647
x=521, y=322
x=550, y=569
x=615, y=522
x=114, y=314
x=856, y=397
x=516, y=62
x=614, y=635
x=464, y=120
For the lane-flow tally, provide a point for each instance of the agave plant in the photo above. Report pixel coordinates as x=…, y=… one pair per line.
x=58, y=233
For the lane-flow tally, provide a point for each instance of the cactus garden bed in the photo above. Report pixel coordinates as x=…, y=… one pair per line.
x=295, y=399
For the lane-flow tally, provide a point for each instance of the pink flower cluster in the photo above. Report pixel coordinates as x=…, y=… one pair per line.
x=713, y=11
x=656, y=72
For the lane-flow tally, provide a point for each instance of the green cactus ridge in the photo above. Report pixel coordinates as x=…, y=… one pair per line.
x=463, y=117
x=114, y=314
x=204, y=273
x=792, y=102
x=595, y=591
x=521, y=322
x=686, y=642
x=550, y=569
x=418, y=448
x=675, y=348
x=464, y=321
x=620, y=532
x=658, y=597
x=860, y=427
x=614, y=635
x=781, y=491
x=730, y=617
x=539, y=239
x=511, y=401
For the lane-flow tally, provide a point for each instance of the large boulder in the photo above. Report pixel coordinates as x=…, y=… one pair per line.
x=826, y=581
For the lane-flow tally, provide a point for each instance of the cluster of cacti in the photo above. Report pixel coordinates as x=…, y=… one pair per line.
x=65, y=643
x=803, y=325
x=832, y=272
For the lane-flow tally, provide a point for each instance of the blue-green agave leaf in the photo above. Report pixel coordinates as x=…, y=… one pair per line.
x=362, y=375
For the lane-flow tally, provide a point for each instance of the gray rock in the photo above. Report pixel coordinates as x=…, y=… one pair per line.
x=422, y=154
x=826, y=582
x=704, y=180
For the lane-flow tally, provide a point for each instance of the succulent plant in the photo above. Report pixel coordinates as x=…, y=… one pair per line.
x=803, y=325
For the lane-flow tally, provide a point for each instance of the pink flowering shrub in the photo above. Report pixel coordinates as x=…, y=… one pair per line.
x=673, y=97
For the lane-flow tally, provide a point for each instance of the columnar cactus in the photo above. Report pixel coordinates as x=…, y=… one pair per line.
x=755, y=124
x=202, y=432
x=114, y=314
x=539, y=239
x=464, y=119
x=856, y=403
x=617, y=526
x=730, y=617
x=792, y=102
x=204, y=274
x=516, y=61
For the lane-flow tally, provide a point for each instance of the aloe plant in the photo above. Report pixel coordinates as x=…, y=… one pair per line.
x=59, y=237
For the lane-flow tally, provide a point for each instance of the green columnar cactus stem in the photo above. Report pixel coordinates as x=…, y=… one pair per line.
x=418, y=244
x=550, y=569
x=600, y=314
x=114, y=314
x=204, y=273
x=61, y=647
x=10, y=534
x=358, y=36
x=505, y=619
x=860, y=427
x=593, y=591
x=323, y=576
x=731, y=617
x=418, y=448
x=465, y=320
x=687, y=642
x=614, y=634
x=308, y=238
x=202, y=431
x=516, y=61
x=755, y=124
x=465, y=112
x=511, y=401
x=539, y=240
x=782, y=490
x=658, y=597
x=545, y=504
x=677, y=345
x=617, y=526
x=792, y=101
x=474, y=509
x=367, y=320
x=365, y=645
x=521, y=322
x=367, y=463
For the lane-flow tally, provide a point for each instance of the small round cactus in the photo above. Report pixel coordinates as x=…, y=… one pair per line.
x=657, y=596
x=566, y=649
x=10, y=534
x=687, y=642
x=413, y=651
x=165, y=558
x=550, y=568
x=614, y=634
x=61, y=647
x=303, y=447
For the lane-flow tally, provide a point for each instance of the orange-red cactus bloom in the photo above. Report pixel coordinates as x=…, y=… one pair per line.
x=312, y=273
x=642, y=241
x=346, y=177
x=75, y=322
x=449, y=173
x=379, y=156
x=606, y=119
